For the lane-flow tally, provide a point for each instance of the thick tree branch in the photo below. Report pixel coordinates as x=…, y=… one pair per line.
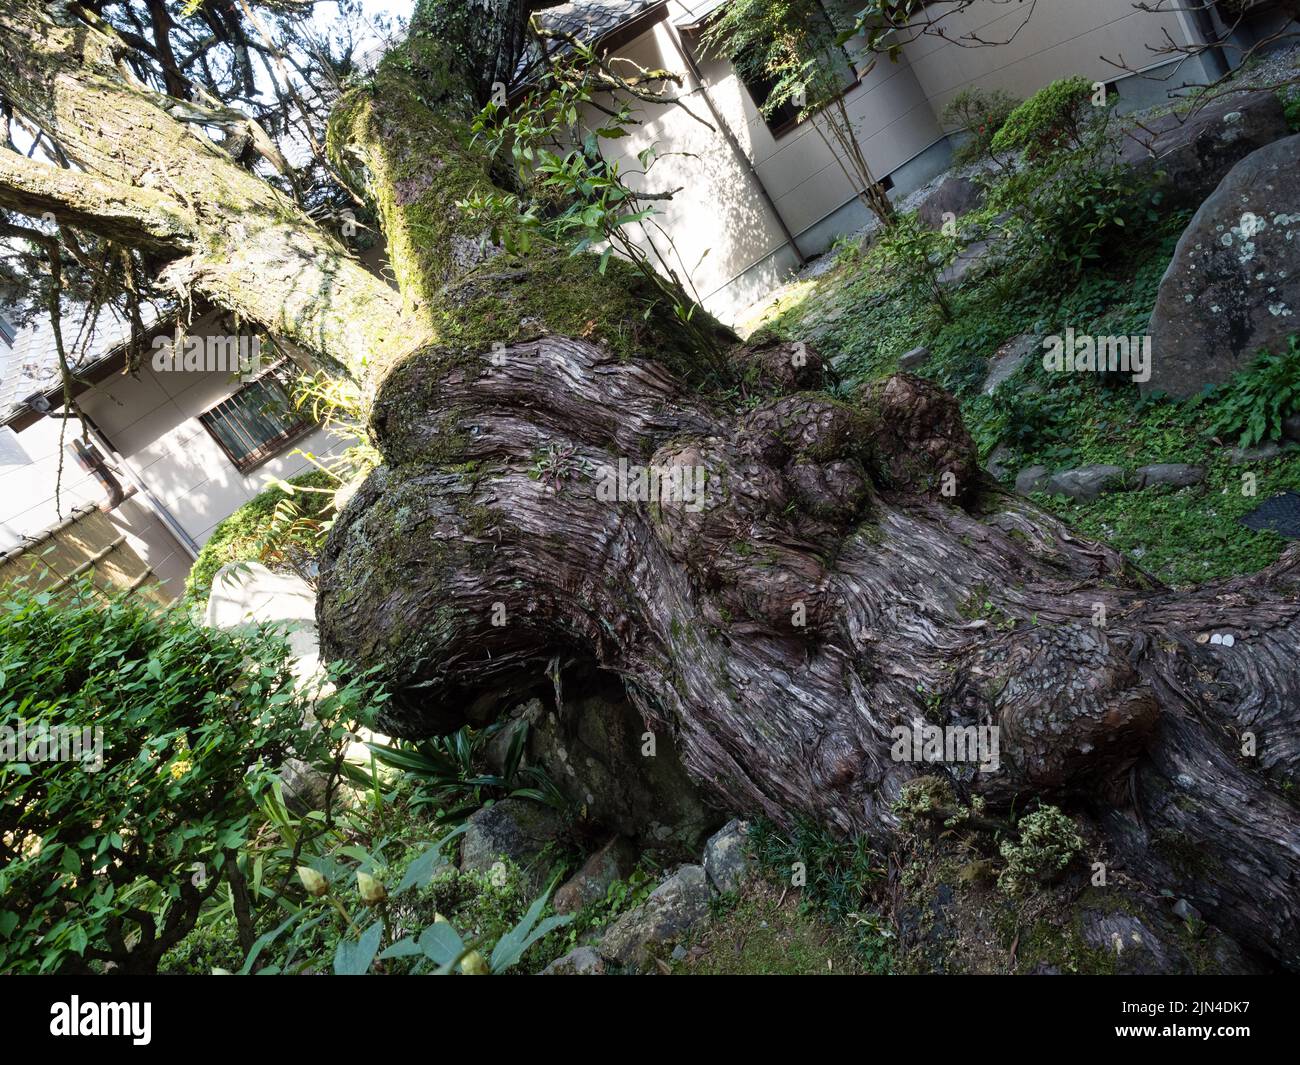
x=141, y=217
x=252, y=249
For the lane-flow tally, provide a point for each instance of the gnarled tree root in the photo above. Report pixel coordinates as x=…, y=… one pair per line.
x=848, y=572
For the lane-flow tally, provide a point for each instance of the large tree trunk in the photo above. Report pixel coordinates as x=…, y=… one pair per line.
x=482, y=550
x=850, y=570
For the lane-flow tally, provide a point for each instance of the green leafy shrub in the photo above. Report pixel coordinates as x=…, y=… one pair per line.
x=267, y=529
x=1054, y=117
x=915, y=255
x=361, y=917
x=981, y=114
x=1070, y=209
x=109, y=858
x=1290, y=98
x=1255, y=403
x=1048, y=842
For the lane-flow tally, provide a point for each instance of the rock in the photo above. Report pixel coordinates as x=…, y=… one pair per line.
x=1266, y=452
x=497, y=751
x=650, y=930
x=1032, y=479
x=512, y=828
x=1178, y=474
x=581, y=961
x=914, y=359
x=1087, y=482
x=594, y=757
x=725, y=860
x=1144, y=940
x=956, y=196
x=967, y=260
x=1291, y=428
x=247, y=593
x=1195, y=153
x=1008, y=361
x=997, y=462
x=614, y=861
x=304, y=788
x=1232, y=288
x=1136, y=948
x=1279, y=513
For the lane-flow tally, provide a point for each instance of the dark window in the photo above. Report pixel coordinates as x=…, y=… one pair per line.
x=7, y=332
x=760, y=87
x=257, y=421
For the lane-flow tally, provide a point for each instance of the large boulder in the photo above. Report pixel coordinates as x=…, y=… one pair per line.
x=614, y=861
x=512, y=828
x=725, y=859
x=641, y=935
x=580, y=961
x=595, y=753
x=913, y=360
x=1175, y=474
x=1032, y=479
x=1192, y=154
x=246, y=594
x=1087, y=482
x=1233, y=287
x=1009, y=360
x=972, y=256
x=955, y=197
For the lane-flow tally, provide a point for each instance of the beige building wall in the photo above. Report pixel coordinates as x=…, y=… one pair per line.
x=726, y=238
x=1059, y=39
x=720, y=224
x=33, y=497
x=152, y=419
x=717, y=224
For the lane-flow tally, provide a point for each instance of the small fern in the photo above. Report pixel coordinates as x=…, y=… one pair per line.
x=1255, y=403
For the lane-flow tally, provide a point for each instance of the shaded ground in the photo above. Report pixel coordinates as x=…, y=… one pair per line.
x=764, y=931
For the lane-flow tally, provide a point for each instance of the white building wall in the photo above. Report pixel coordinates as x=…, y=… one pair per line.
x=152, y=419
x=727, y=238
x=1060, y=38
x=719, y=223
x=34, y=496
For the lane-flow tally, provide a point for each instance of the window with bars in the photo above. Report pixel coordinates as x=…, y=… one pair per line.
x=257, y=421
